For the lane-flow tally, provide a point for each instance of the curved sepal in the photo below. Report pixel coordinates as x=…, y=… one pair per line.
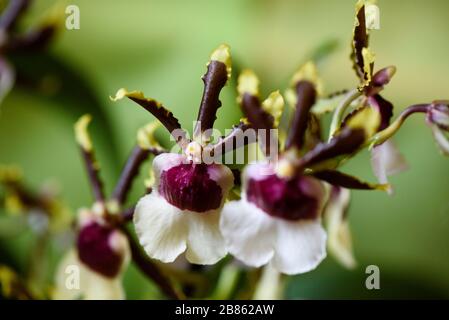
x=218, y=73
x=165, y=116
x=343, y=180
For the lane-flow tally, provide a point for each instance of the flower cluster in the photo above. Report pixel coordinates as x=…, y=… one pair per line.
x=283, y=209
x=277, y=218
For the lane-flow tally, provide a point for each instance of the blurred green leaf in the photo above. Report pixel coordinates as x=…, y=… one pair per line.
x=49, y=77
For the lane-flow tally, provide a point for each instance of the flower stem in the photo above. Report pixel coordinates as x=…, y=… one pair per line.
x=131, y=170
x=93, y=171
x=270, y=285
x=226, y=282
x=389, y=131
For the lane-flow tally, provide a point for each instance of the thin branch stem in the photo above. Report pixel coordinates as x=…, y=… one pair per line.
x=389, y=131
x=131, y=170
x=128, y=214
x=93, y=171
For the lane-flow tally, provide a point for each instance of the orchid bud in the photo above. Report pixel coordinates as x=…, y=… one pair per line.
x=438, y=114
x=383, y=76
x=438, y=119
x=380, y=79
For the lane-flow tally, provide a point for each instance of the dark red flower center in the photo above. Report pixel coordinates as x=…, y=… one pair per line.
x=286, y=199
x=189, y=187
x=95, y=251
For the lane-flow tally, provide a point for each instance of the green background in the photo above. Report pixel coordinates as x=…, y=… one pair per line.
x=161, y=47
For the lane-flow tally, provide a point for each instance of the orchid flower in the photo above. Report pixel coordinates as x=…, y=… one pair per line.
x=101, y=256
x=278, y=219
x=103, y=247
x=182, y=212
x=386, y=159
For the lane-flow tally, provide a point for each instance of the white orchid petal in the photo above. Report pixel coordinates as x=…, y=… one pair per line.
x=300, y=246
x=258, y=171
x=101, y=288
x=249, y=232
x=205, y=244
x=339, y=235
x=162, y=228
x=441, y=140
x=66, y=289
x=165, y=161
x=223, y=176
x=386, y=160
x=119, y=243
x=74, y=280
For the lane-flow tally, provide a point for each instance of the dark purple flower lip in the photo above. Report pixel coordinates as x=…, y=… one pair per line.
x=299, y=198
x=95, y=250
x=189, y=186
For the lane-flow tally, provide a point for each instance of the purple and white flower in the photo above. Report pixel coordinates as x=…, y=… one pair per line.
x=182, y=212
x=93, y=269
x=277, y=221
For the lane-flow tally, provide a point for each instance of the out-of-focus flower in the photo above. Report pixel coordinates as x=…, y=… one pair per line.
x=278, y=219
x=12, y=286
x=182, y=212
x=93, y=269
x=438, y=120
x=386, y=159
x=337, y=225
x=44, y=209
x=12, y=41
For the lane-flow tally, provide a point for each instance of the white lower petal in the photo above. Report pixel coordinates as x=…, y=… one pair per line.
x=249, y=232
x=162, y=228
x=74, y=280
x=300, y=246
x=205, y=244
